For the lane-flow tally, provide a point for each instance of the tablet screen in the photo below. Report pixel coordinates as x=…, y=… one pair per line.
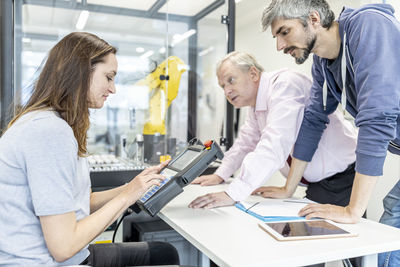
x=306, y=228
x=185, y=159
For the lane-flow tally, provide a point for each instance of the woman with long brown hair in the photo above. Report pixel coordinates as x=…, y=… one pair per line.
x=48, y=213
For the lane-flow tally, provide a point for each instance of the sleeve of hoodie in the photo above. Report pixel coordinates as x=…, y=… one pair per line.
x=285, y=111
x=315, y=117
x=373, y=41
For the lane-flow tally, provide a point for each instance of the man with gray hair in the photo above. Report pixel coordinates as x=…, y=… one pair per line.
x=356, y=63
x=265, y=141
x=298, y=11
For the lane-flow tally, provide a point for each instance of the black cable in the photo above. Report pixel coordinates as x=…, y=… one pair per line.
x=347, y=263
x=126, y=213
x=192, y=141
x=195, y=141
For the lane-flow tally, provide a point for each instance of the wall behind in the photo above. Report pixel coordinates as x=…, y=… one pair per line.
x=250, y=38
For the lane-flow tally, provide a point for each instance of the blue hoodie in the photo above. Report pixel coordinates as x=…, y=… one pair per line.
x=372, y=87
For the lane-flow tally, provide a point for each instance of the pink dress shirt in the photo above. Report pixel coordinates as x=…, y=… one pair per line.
x=269, y=133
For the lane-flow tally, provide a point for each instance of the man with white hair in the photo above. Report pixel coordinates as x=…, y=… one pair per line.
x=265, y=141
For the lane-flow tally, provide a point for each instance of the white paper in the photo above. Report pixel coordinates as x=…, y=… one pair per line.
x=277, y=207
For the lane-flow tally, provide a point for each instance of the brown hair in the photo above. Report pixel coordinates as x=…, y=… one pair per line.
x=64, y=82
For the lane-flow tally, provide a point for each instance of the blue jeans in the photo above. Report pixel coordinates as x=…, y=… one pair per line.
x=391, y=216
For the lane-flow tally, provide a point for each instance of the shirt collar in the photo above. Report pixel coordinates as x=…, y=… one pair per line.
x=261, y=103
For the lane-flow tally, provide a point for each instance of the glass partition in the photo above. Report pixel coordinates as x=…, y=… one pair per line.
x=148, y=117
x=211, y=103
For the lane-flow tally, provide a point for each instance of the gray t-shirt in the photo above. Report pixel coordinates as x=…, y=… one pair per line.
x=40, y=174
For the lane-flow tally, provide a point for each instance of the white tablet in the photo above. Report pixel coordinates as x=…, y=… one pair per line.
x=301, y=230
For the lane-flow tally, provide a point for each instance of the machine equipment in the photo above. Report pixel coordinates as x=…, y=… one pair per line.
x=163, y=84
x=182, y=170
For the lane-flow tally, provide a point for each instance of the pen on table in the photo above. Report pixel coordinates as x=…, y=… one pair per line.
x=283, y=218
x=297, y=201
x=252, y=206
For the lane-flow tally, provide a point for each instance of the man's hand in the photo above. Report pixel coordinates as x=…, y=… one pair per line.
x=272, y=192
x=331, y=212
x=211, y=179
x=212, y=200
x=360, y=194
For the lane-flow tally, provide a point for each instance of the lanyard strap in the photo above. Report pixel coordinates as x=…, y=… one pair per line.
x=344, y=52
x=324, y=90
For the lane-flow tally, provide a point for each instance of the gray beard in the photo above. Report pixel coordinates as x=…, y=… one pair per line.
x=306, y=52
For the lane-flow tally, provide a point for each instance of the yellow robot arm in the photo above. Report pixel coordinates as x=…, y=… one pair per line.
x=162, y=92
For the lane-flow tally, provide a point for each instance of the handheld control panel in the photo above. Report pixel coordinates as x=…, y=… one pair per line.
x=182, y=170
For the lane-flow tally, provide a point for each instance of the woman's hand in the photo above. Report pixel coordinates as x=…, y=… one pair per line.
x=142, y=182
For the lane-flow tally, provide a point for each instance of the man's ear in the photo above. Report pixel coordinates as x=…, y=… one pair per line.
x=314, y=19
x=254, y=74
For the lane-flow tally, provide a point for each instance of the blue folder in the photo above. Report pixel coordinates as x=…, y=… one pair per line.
x=269, y=218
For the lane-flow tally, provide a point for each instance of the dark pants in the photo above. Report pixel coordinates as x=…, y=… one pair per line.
x=335, y=190
x=132, y=254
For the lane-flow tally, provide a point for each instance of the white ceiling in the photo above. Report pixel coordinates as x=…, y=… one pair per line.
x=127, y=32
x=51, y=20
x=176, y=7
x=185, y=7
x=132, y=4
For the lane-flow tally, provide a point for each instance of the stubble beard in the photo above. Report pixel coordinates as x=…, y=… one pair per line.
x=306, y=51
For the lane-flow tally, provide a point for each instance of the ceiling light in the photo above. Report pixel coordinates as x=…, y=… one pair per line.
x=206, y=51
x=162, y=50
x=140, y=49
x=83, y=17
x=147, y=54
x=179, y=38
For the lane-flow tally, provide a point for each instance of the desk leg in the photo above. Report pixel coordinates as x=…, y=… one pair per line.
x=370, y=260
x=205, y=261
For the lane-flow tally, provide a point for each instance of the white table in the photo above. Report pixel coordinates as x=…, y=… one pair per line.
x=230, y=237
